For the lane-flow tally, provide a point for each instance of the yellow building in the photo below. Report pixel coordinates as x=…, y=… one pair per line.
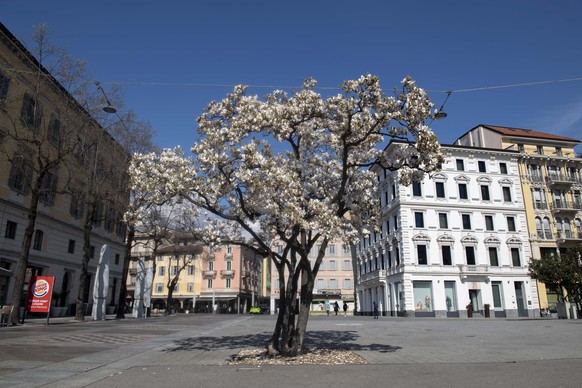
x=551, y=184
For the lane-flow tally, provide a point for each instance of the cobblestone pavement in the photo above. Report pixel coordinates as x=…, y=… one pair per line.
x=130, y=352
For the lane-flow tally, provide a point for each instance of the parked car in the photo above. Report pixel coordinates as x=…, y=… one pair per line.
x=256, y=310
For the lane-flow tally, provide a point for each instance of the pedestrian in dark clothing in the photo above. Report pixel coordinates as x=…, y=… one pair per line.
x=336, y=307
x=345, y=309
x=375, y=310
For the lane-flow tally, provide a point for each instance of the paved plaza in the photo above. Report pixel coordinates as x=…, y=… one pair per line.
x=193, y=351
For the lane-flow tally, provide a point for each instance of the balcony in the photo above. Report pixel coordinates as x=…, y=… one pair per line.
x=535, y=178
x=227, y=273
x=373, y=275
x=569, y=238
x=562, y=206
x=560, y=180
x=539, y=205
x=474, y=270
x=209, y=274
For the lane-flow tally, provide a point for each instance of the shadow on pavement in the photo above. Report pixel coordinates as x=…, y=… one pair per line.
x=341, y=340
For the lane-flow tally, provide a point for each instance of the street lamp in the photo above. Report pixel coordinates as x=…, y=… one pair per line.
x=440, y=114
x=108, y=108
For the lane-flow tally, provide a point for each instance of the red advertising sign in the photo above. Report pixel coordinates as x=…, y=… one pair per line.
x=39, y=294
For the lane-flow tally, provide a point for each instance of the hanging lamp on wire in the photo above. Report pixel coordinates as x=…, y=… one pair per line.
x=108, y=108
x=439, y=113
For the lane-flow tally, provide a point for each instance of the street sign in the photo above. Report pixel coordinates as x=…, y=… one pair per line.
x=39, y=294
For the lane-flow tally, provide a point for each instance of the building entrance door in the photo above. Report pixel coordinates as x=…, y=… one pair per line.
x=474, y=296
x=519, y=299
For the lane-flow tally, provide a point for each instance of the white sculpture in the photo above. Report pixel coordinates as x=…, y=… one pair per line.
x=101, y=285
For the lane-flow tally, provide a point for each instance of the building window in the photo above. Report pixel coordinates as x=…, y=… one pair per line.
x=209, y=283
x=460, y=165
x=347, y=284
x=4, y=84
x=71, y=248
x=10, y=230
x=446, y=253
x=485, y=193
x=493, y=258
x=333, y=284
x=21, y=172
x=503, y=168
x=540, y=150
x=422, y=295
x=228, y=282
x=347, y=265
x=190, y=287
x=558, y=151
x=332, y=265
x=463, y=191
x=117, y=259
x=54, y=132
x=466, y=218
x=346, y=249
x=421, y=254
x=159, y=287
x=174, y=270
x=91, y=252
x=489, y=223
x=332, y=249
x=470, y=255
x=190, y=270
x=162, y=270
x=443, y=221
x=38, y=237
x=211, y=265
x=506, y=194
x=511, y=224
x=440, y=189
x=31, y=113
x=416, y=189
x=497, y=292
x=419, y=219
x=451, y=296
x=482, y=166
x=515, y=257
x=48, y=188
x=521, y=148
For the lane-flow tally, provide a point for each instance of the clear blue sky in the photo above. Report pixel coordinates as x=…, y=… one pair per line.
x=444, y=45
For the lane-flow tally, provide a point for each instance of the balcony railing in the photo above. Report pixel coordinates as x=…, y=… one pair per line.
x=559, y=205
x=209, y=274
x=561, y=179
x=478, y=269
x=569, y=236
x=227, y=273
x=547, y=235
x=539, y=205
x=535, y=178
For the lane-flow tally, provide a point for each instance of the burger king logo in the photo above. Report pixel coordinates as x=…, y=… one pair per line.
x=40, y=288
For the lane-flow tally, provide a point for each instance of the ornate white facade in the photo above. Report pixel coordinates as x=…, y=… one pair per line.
x=454, y=240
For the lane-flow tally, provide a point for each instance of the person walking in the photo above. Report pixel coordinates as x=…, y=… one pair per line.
x=375, y=310
x=336, y=307
x=327, y=307
x=345, y=309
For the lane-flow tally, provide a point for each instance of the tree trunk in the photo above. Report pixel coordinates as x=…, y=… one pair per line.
x=80, y=310
x=24, y=255
x=126, y=261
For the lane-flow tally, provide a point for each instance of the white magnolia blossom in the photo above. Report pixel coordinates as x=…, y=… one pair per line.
x=292, y=162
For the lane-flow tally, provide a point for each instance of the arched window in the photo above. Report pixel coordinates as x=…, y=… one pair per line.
x=567, y=228
x=578, y=228
x=539, y=227
x=547, y=228
x=559, y=227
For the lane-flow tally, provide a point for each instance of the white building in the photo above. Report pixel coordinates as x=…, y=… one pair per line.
x=456, y=239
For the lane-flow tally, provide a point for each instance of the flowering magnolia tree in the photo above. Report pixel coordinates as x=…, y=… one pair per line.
x=293, y=168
